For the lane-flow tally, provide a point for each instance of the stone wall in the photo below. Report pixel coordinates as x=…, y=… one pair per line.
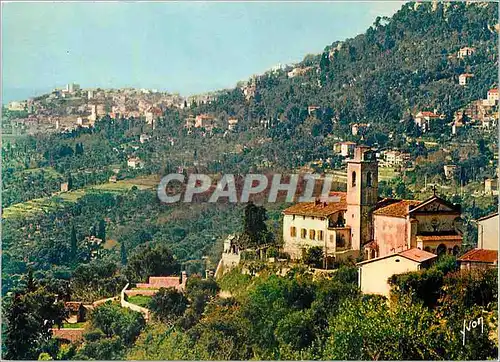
x=134, y=307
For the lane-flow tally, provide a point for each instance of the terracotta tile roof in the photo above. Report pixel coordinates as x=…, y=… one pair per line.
x=428, y=114
x=480, y=255
x=204, y=116
x=399, y=208
x=439, y=237
x=320, y=209
x=164, y=282
x=371, y=245
x=413, y=254
x=494, y=90
x=73, y=306
x=417, y=255
x=69, y=334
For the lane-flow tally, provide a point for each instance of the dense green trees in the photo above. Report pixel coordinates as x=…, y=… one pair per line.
x=168, y=304
x=112, y=330
x=29, y=316
x=148, y=260
x=297, y=317
x=96, y=280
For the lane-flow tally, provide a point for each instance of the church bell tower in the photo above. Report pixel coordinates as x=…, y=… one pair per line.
x=362, y=195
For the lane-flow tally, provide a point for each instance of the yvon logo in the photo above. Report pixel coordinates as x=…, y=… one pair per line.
x=473, y=324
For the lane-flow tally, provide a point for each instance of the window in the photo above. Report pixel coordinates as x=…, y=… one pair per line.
x=340, y=240
x=320, y=235
x=312, y=234
x=303, y=233
x=293, y=232
x=353, y=181
x=369, y=179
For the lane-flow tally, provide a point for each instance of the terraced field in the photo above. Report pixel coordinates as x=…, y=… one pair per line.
x=60, y=199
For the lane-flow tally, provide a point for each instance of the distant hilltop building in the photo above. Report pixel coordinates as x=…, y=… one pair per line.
x=135, y=162
x=298, y=72
x=72, y=87
x=143, y=138
x=463, y=78
x=359, y=128
x=395, y=158
x=491, y=186
x=16, y=106
x=492, y=97
x=362, y=223
x=424, y=119
x=204, y=121
x=451, y=171
x=311, y=110
x=345, y=148
x=232, y=124
x=465, y=52
x=152, y=114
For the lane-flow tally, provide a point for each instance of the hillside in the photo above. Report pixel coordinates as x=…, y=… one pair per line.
x=398, y=66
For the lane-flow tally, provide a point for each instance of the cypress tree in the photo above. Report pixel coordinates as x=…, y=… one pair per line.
x=123, y=253
x=73, y=244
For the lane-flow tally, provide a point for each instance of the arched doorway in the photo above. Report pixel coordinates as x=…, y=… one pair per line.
x=373, y=254
x=441, y=249
x=456, y=249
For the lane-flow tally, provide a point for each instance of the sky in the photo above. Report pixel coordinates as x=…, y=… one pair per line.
x=184, y=47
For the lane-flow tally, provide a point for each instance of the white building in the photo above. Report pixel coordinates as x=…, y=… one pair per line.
x=320, y=224
x=396, y=158
x=72, y=87
x=345, y=148
x=491, y=186
x=462, y=78
x=359, y=128
x=486, y=253
x=465, y=52
x=487, y=232
x=144, y=138
x=373, y=274
x=493, y=96
x=423, y=119
x=232, y=124
x=135, y=162
x=16, y=106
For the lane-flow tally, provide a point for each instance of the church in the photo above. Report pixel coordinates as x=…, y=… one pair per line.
x=362, y=222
